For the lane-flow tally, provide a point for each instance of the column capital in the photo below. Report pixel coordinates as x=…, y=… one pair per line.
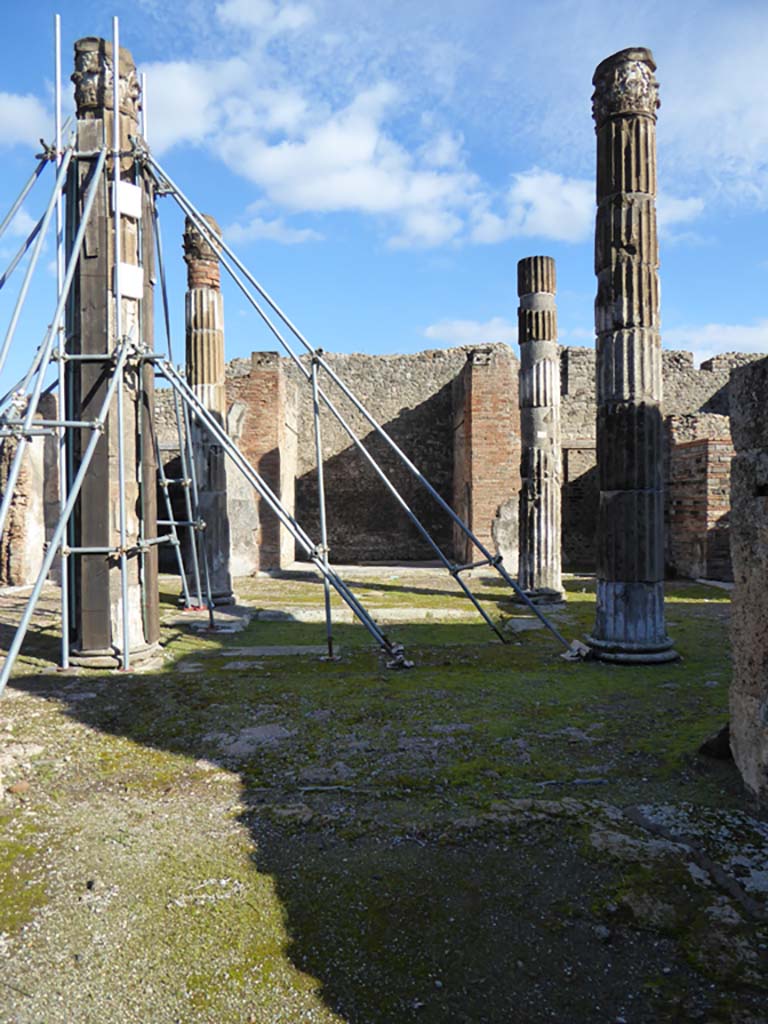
x=625, y=84
x=94, y=79
x=201, y=257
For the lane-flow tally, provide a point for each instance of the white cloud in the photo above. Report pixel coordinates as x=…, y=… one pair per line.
x=425, y=228
x=444, y=150
x=275, y=230
x=21, y=225
x=184, y=99
x=472, y=332
x=707, y=340
x=543, y=204
x=265, y=15
x=672, y=210
x=23, y=119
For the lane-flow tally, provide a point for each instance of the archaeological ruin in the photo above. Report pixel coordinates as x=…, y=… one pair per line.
x=614, y=462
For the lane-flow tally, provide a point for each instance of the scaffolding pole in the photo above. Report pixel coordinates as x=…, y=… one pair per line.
x=190, y=399
x=126, y=659
x=185, y=474
x=61, y=342
x=120, y=355
x=47, y=344
x=321, y=509
x=37, y=249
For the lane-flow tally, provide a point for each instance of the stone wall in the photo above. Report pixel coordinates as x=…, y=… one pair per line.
x=410, y=396
x=749, y=550
x=698, y=475
x=34, y=511
x=581, y=492
x=699, y=394
x=421, y=399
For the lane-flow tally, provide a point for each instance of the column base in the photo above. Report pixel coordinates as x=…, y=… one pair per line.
x=110, y=657
x=629, y=623
x=544, y=595
x=631, y=654
x=219, y=600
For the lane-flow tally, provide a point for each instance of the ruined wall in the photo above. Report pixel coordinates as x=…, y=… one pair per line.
x=581, y=492
x=260, y=417
x=749, y=550
x=421, y=399
x=410, y=396
x=486, y=453
x=698, y=474
x=701, y=395
x=34, y=510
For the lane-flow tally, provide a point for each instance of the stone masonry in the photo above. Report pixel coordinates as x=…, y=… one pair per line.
x=749, y=549
x=540, y=466
x=629, y=621
x=420, y=397
x=34, y=510
x=698, y=496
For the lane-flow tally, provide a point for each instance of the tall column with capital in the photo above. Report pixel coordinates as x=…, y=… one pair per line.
x=540, y=522
x=206, y=375
x=91, y=331
x=629, y=624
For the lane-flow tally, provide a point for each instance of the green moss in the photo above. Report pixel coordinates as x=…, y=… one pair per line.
x=22, y=889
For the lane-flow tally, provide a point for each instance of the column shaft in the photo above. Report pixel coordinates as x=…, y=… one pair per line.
x=206, y=375
x=540, y=464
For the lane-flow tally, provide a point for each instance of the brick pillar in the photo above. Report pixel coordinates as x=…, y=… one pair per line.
x=487, y=453
x=206, y=375
x=91, y=330
x=629, y=624
x=749, y=553
x=540, y=464
x=261, y=420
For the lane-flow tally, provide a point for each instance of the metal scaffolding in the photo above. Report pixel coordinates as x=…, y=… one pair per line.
x=20, y=421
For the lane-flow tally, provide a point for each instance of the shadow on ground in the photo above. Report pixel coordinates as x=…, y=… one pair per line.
x=306, y=841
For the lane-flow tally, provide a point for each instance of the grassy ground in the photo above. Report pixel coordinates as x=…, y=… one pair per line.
x=495, y=835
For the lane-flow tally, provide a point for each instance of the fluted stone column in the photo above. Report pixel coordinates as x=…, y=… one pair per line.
x=91, y=321
x=629, y=625
x=540, y=463
x=206, y=375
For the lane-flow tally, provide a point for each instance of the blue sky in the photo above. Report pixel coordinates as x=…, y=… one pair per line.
x=381, y=168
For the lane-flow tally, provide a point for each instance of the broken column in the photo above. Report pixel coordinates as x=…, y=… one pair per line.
x=629, y=624
x=91, y=319
x=206, y=375
x=540, y=525
x=749, y=554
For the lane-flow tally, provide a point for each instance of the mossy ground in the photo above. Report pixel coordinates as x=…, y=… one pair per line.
x=289, y=839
